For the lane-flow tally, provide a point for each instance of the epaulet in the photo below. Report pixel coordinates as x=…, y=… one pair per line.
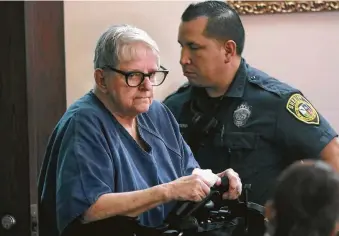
x=181, y=89
x=272, y=85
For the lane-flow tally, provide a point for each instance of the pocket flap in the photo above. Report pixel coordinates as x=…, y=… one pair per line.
x=241, y=140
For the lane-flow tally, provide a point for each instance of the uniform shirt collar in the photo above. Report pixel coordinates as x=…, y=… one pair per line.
x=236, y=88
x=238, y=85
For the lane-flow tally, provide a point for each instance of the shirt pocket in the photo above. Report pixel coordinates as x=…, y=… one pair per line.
x=242, y=148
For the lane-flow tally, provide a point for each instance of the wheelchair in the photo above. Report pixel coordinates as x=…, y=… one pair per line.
x=188, y=219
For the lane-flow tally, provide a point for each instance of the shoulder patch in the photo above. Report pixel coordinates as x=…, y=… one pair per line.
x=302, y=109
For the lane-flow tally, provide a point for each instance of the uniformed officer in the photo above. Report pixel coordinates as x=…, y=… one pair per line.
x=235, y=116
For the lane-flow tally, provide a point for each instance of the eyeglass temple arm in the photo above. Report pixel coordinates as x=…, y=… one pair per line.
x=162, y=67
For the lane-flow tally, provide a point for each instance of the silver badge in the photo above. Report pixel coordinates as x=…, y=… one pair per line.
x=241, y=114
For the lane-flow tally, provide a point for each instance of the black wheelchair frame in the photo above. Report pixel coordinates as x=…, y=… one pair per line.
x=187, y=218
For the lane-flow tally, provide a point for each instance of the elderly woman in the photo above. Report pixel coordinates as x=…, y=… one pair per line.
x=116, y=152
x=306, y=202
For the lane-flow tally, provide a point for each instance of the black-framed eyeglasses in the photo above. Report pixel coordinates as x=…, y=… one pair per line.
x=135, y=78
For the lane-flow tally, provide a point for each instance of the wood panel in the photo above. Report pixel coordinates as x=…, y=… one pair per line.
x=45, y=76
x=32, y=99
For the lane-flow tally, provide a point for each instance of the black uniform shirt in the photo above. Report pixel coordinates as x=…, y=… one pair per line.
x=260, y=126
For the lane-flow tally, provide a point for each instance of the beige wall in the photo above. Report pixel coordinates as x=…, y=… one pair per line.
x=301, y=51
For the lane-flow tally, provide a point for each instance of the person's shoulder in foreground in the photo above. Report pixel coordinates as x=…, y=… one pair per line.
x=310, y=206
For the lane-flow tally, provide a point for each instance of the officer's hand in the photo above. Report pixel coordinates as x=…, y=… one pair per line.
x=234, y=182
x=189, y=188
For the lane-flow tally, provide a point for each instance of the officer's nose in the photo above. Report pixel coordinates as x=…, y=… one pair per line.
x=185, y=58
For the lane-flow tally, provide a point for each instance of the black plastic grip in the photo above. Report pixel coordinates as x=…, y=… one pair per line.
x=188, y=208
x=223, y=187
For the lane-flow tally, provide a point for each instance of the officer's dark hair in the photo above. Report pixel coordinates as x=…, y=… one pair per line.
x=306, y=200
x=223, y=21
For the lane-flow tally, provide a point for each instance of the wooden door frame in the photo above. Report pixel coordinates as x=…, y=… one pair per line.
x=33, y=98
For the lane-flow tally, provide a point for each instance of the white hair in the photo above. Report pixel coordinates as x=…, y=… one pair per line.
x=116, y=45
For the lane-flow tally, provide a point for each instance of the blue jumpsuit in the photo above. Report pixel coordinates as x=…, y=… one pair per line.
x=90, y=154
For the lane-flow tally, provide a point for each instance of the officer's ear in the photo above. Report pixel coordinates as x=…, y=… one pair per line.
x=230, y=50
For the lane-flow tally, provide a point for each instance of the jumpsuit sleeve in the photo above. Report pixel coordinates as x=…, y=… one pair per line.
x=84, y=169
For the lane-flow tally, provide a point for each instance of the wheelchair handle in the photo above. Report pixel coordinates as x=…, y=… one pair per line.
x=188, y=208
